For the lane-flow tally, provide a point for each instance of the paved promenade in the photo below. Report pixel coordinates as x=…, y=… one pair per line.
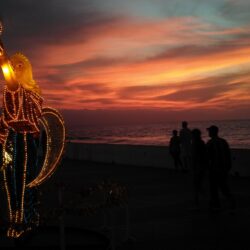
x=160, y=213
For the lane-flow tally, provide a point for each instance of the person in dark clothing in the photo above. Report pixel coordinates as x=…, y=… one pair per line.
x=199, y=163
x=174, y=150
x=186, y=142
x=219, y=159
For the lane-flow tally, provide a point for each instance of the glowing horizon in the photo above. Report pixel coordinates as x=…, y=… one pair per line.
x=138, y=56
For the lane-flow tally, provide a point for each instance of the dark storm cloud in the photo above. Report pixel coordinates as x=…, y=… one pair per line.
x=236, y=10
x=49, y=21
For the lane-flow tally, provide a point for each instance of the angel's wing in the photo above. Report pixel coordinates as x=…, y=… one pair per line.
x=52, y=125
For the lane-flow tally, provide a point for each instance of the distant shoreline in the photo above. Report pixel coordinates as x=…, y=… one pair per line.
x=139, y=145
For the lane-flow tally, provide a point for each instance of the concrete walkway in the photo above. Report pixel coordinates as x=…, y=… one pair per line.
x=159, y=209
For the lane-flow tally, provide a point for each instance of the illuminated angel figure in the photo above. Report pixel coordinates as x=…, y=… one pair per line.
x=23, y=118
x=19, y=133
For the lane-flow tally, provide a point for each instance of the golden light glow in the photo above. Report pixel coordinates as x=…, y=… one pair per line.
x=9, y=75
x=8, y=71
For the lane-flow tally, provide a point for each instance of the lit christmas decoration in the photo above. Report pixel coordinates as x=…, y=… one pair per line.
x=53, y=124
x=25, y=128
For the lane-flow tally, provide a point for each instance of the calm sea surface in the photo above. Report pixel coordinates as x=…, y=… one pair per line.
x=236, y=132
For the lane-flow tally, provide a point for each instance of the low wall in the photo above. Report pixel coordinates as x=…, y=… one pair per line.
x=143, y=156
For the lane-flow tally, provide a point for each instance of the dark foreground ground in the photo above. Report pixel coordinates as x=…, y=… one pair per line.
x=159, y=214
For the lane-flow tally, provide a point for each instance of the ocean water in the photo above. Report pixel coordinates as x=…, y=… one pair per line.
x=236, y=132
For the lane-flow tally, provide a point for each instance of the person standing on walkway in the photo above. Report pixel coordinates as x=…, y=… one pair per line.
x=186, y=141
x=174, y=150
x=199, y=164
x=219, y=160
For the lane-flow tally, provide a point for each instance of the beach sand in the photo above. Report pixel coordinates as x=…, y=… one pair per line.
x=144, y=156
x=160, y=214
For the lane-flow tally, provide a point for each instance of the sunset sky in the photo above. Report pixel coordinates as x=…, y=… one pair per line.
x=179, y=58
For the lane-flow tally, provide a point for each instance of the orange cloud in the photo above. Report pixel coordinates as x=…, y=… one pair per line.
x=174, y=63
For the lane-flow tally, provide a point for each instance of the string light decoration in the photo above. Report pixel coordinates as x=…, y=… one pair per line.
x=22, y=122
x=53, y=124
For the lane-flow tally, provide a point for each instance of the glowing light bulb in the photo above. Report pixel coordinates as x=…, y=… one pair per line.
x=8, y=72
x=7, y=158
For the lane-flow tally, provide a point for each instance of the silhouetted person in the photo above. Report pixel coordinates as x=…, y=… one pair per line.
x=174, y=149
x=219, y=159
x=199, y=163
x=186, y=139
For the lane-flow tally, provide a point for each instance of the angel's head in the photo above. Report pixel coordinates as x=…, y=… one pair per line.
x=23, y=72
